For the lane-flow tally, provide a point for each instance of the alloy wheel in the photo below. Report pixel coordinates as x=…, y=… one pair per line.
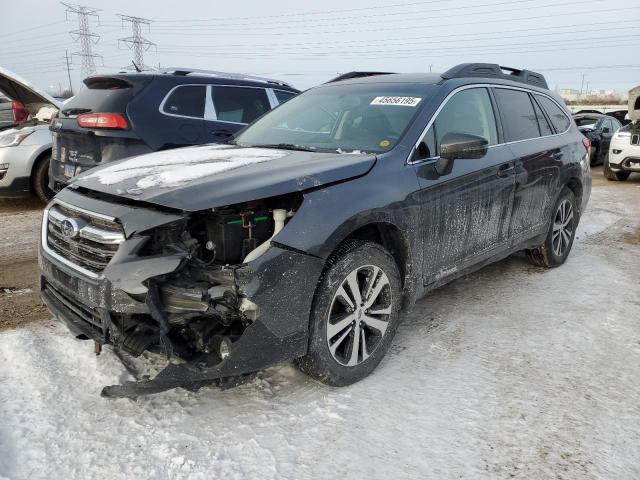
x=359, y=315
x=562, y=228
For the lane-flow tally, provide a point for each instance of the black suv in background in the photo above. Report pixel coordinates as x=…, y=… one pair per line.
x=126, y=114
x=599, y=129
x=308, y=234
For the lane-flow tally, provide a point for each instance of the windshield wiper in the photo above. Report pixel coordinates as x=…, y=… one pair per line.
x=286, y=146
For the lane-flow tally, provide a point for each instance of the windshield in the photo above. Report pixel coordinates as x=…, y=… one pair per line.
x=355, y=118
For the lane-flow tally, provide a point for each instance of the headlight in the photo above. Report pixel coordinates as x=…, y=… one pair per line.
x=14, y=139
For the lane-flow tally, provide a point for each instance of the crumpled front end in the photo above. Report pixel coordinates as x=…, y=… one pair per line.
x=175, y=283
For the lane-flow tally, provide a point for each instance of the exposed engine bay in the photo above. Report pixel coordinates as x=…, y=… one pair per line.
x=200, y=306
x=175, y=289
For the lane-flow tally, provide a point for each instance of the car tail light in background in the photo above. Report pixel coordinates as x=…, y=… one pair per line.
x=102, y=120
x=20, y=114
x=587, y=143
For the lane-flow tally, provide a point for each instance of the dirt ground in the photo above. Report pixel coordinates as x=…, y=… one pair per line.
x=20, y=226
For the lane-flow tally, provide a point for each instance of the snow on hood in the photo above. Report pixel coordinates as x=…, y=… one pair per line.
x=171, y=168
x=18, y=89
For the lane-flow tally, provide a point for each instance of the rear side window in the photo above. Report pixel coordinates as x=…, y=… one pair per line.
x=545, y=128
x=283, y=96
x=239, y=104
x=469, y=111
x=520, y=121
x=186, y=101
x=558, y=118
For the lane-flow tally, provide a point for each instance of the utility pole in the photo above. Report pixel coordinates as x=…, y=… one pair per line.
x=430, y=67
x=66, y=57
x=136, y=41
x=582, y=84
x=84, y=36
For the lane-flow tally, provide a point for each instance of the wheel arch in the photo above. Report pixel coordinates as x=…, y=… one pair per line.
x=36, y=160
x=575, y=185
x=391, y=237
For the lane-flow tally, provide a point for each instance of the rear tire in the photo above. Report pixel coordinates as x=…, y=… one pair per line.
x=349, y=333
x=40, y=179
x=555, y=249
x=614, y=176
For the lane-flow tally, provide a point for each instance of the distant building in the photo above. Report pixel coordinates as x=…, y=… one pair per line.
x=569, y=93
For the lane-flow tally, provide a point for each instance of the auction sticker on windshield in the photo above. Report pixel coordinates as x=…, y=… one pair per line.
x=403, y=101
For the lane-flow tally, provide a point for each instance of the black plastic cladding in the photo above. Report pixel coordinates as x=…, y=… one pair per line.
x=450, y=224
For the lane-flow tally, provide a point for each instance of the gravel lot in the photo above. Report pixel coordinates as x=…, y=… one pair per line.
x=512, y=372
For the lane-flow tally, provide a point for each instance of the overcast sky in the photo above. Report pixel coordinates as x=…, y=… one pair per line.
x=305, y=43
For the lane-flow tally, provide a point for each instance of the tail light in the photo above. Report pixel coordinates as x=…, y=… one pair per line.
x=20, y=114
x=586, y=142
x=102, y=120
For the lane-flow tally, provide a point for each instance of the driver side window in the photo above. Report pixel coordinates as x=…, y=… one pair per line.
x=469, y=111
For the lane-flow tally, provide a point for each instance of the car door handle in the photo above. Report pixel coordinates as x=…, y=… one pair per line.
x=222, y=133
x=505, y=170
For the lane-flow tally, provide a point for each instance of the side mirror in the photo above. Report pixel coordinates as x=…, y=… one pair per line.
x=458, y=146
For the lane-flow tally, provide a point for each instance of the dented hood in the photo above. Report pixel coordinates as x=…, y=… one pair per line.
x=207, y=176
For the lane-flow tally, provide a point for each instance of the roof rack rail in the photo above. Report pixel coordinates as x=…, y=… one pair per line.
x=350, y=75
x=493, y=70
x=212, y=73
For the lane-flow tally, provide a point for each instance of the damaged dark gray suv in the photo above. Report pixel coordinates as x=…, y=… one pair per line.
x=312, y=231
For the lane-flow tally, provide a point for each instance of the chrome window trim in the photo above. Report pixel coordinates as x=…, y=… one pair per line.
x=273, y=100
x=45, y=244
x=166, y=97
x=209, y=110
x=482, y=85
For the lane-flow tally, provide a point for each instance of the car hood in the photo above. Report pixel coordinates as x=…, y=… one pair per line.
x=207, y=176
x=22, y=91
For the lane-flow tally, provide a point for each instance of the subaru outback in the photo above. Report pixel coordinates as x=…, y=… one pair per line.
x=315, y=229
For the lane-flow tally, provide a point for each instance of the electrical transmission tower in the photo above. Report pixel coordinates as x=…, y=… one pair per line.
x=136, y=41
x=84, y=36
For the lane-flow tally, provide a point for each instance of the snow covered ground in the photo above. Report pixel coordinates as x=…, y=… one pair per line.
x=513, y=372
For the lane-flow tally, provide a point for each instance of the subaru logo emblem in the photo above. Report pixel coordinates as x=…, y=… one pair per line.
x=70, y=227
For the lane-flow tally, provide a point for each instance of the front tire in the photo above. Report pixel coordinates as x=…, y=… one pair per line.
x=611, y=175
x=354, y=316
x=555, y=249
x=40, y=179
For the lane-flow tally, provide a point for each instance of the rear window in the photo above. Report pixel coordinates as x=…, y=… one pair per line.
x=545, y=128
x=101, y=95
x=520, y=121
x=558, y=118
x=239, y=104
x=283, y=96
x=186, y=101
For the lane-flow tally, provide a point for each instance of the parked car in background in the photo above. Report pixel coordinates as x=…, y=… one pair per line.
x=21, y=102
x=25, y=140
x=126, y=114
x=599, y=129
x=624, y=152
x=309, y=232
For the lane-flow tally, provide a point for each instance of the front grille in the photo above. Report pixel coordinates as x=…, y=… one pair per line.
x=73, y=308
x=86, y=240
x=635, y=139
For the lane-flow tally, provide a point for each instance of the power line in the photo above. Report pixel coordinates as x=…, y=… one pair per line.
x=136, y=41
x=84, y=36
x=379, y=29
x=359, y=20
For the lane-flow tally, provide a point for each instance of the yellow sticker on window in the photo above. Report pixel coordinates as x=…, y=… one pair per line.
x=384, y=143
